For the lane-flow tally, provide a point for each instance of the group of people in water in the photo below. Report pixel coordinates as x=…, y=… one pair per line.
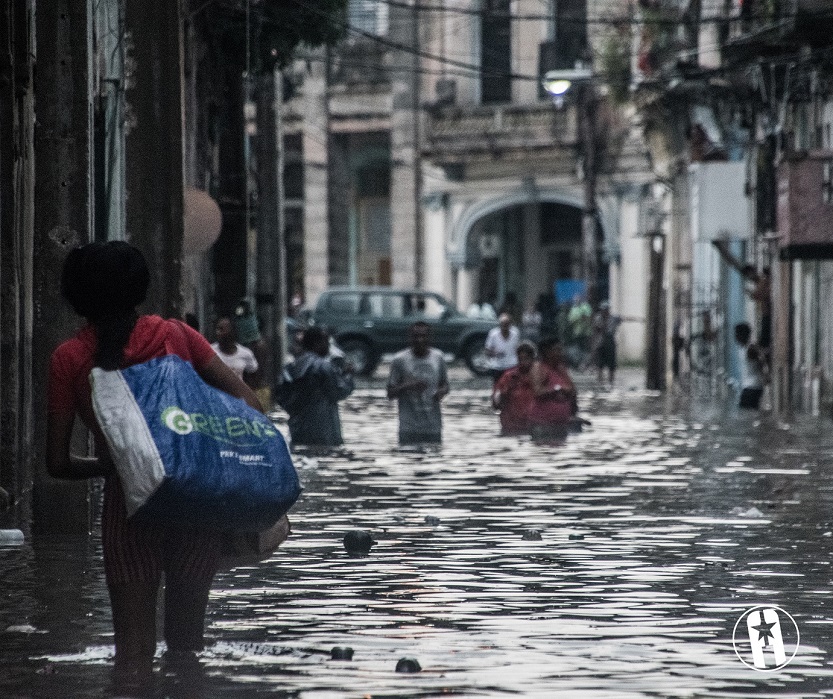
x=537, y=395
x=532, y=390
x=105, y=283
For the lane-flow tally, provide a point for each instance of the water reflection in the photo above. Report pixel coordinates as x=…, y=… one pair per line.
x=658, y=526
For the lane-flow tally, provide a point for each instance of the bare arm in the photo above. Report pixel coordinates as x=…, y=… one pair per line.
x=217, y=374
x=731, y=260
x=60, y=463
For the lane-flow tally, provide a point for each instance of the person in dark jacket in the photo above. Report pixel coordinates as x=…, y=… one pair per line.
x=312, y=387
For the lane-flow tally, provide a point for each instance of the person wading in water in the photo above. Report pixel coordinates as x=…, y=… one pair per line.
x=104, y=283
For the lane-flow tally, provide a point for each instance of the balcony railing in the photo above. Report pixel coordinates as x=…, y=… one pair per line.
x=786, y=22
x=461, y=130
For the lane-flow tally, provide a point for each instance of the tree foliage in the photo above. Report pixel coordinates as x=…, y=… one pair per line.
x=276, y=27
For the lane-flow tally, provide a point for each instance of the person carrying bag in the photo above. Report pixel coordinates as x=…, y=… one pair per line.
x=104, y=283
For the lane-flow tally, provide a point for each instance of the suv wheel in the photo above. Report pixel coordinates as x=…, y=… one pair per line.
x=474, y=355
x=360, y=354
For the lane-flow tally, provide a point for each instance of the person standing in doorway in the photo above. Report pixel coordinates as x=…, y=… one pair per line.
x=241, y=360
x=419, y=381
x=502, y=346
x=760, y=292
x=752, y=362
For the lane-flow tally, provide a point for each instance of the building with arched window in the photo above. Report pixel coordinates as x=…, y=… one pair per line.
x=432, y=157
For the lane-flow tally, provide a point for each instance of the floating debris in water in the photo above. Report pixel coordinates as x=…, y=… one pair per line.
x=752, y=512
x=11, y=537
x=341, y=653
x=432, y=520
x=358, y=541
x=408, y=665
x=532, y=535
x=22, y=628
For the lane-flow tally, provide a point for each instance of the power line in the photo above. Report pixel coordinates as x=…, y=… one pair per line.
x=474, y=70
x=566, y=19
x=410, y=49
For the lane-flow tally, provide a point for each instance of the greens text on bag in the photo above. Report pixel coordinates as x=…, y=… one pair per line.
x=232, y=430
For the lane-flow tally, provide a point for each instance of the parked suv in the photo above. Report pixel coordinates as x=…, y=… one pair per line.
x=368, y=322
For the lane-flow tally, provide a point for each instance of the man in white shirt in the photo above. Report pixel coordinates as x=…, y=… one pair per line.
x=751, y=364
x=241, y=360
x=502, y=346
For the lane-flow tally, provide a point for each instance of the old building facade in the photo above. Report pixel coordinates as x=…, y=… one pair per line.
x=740, y=94
x=112, y=114
x=430, y=156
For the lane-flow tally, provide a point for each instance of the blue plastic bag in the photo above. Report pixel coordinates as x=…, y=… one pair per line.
x=187, y=452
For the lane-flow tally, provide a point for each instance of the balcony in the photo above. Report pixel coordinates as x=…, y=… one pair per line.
x=457, y=133
x=765, y=29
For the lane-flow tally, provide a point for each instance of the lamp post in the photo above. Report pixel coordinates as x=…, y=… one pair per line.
x=558, y=83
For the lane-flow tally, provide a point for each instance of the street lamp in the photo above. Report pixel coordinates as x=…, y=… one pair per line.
x=558, y=83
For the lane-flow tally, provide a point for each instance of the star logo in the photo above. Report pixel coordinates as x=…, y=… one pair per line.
x=771, y=638
x=765, y=631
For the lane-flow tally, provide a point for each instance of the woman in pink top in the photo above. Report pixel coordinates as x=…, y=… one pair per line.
x=555, y=393
x=104, y=283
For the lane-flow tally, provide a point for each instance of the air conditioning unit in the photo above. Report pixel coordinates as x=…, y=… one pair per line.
x=805, y=206
x=720, y=208
x=489, y=245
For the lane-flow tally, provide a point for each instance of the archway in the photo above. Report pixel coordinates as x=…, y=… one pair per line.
x=522, y=245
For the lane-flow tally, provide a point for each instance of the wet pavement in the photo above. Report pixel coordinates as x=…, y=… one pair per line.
x=615, y=564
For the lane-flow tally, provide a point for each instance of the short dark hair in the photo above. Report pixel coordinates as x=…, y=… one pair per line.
x=743, y=332
x=526, y=347
x=313, y=336
x=419, y=324
x=105, y=280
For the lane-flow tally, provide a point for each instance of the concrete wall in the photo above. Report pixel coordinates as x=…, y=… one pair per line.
x=315, y=130
x=628, y=289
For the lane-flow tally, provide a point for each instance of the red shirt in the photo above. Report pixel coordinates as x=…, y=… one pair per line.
x=552, y=410
x=152, y=336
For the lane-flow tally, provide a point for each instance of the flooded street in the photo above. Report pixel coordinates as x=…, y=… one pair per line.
x=613, y=565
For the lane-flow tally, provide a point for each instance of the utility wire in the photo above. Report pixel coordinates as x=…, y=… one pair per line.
x=410, y=49
x=566, y=19
x=473, y=70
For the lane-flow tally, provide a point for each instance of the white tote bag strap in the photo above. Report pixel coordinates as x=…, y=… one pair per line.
x=134, y=452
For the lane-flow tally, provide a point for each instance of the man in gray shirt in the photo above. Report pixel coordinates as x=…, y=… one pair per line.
x=419, y=381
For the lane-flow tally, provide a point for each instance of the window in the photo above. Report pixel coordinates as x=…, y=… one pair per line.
x=370, y=16
x=426, y=307
x=496, y=52
x=570, y=33
x=348, y=304
x=387, y=305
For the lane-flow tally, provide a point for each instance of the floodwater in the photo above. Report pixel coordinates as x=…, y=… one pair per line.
x=615, y=564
